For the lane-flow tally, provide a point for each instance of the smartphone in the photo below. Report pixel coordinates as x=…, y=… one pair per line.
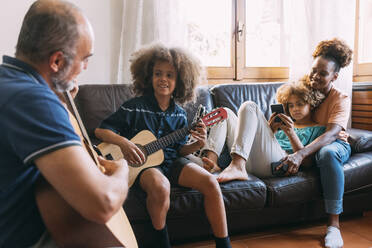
x=279, y=109
x=279, y=172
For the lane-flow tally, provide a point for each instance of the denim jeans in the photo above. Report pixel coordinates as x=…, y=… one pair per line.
x=330, y=160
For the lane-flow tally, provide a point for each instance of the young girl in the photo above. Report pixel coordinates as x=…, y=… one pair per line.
x=258, y=142
x=161, y=77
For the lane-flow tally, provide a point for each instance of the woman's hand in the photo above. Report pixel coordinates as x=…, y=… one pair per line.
x=131, y=152
x=200, y=134
x=273, y=125
x=343, y=135
x=293, y=161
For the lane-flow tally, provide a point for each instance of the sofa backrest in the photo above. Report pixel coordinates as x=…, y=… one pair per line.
x=233, y=95
x=95, y=102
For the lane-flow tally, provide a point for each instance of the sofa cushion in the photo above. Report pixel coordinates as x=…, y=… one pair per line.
x=360, y=140
x=96, y=102
x=250, y=194
x=303, y=187
x=358, y=172
x=233, y=95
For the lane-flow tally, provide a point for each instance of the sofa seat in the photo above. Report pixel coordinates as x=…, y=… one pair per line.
x=303, y=187
x=250, y=194
x=358, y=172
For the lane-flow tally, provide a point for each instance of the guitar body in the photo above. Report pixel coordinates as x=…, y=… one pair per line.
x=152, y=148
x=69, y=229
x=142, y=138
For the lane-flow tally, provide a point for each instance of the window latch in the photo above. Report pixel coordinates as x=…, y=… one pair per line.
x=240, y=31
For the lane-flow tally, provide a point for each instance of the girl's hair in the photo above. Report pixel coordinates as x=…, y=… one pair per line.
x=187, y=67
x=300, y=89
x=335, y=50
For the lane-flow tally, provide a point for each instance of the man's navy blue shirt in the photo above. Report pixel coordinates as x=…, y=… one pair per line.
x=144, y=113
x=33, y=123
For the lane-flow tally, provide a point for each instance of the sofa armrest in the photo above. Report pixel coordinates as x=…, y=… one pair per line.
x=360, y=140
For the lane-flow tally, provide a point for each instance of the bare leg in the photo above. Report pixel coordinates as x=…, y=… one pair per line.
x=157, y=187
x=193, y=176
x=235, y=171
x=210, y=162
x=333, y=220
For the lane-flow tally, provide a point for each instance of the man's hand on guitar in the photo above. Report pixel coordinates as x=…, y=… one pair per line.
x=132, y=153
x=110, y=166
x=200, y=134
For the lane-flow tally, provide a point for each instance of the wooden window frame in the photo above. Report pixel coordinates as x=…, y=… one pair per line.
x=238, y=71
x=362, y=72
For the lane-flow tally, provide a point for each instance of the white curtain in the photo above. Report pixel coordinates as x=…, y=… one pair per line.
x=145, y=22
x=312, y=21
x=308, y=21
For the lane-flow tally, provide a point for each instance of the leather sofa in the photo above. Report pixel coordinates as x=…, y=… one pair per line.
x=250, y=205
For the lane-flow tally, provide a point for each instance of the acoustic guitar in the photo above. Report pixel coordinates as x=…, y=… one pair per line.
x=152, y=147
x=66, y=226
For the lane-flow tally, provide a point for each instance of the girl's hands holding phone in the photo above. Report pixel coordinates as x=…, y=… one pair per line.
x=287, y=124
x=273, y=124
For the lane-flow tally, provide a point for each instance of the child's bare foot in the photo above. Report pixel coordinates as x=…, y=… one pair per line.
x=210, y=165
x=233, y=172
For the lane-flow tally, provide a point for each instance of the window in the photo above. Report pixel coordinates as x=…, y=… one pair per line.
x=239, y=39
x=363, y=41
x=266, y=40
x=210, y=35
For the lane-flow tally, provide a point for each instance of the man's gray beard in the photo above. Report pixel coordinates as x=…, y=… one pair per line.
x=62, y=86
x=59, y=82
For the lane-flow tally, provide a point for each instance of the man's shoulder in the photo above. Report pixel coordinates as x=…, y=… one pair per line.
x=24, y=90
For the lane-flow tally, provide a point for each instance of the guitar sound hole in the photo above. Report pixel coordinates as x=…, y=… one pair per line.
x=109, y=157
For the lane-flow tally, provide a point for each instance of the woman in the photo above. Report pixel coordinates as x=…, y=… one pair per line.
x=331, y=148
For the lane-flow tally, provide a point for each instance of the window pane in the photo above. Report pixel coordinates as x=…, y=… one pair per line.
x=209, y=30
x=266, y=36
x=365, y=33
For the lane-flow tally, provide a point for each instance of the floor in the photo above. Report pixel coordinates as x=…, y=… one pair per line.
x=356, y=232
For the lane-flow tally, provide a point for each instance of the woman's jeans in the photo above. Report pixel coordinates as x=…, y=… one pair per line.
x=330, y=160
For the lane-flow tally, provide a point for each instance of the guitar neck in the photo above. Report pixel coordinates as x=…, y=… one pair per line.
x=72, y=107
x=209, y=119
x=166, y=140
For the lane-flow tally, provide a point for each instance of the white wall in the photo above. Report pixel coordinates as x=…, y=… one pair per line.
x=106, y=18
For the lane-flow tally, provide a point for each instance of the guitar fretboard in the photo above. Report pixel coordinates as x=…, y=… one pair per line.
x=165, y=141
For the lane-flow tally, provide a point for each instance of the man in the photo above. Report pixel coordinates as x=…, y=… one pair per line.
x=37, y=139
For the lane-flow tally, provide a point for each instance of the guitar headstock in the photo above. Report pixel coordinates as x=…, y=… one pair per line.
x=214, y=117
